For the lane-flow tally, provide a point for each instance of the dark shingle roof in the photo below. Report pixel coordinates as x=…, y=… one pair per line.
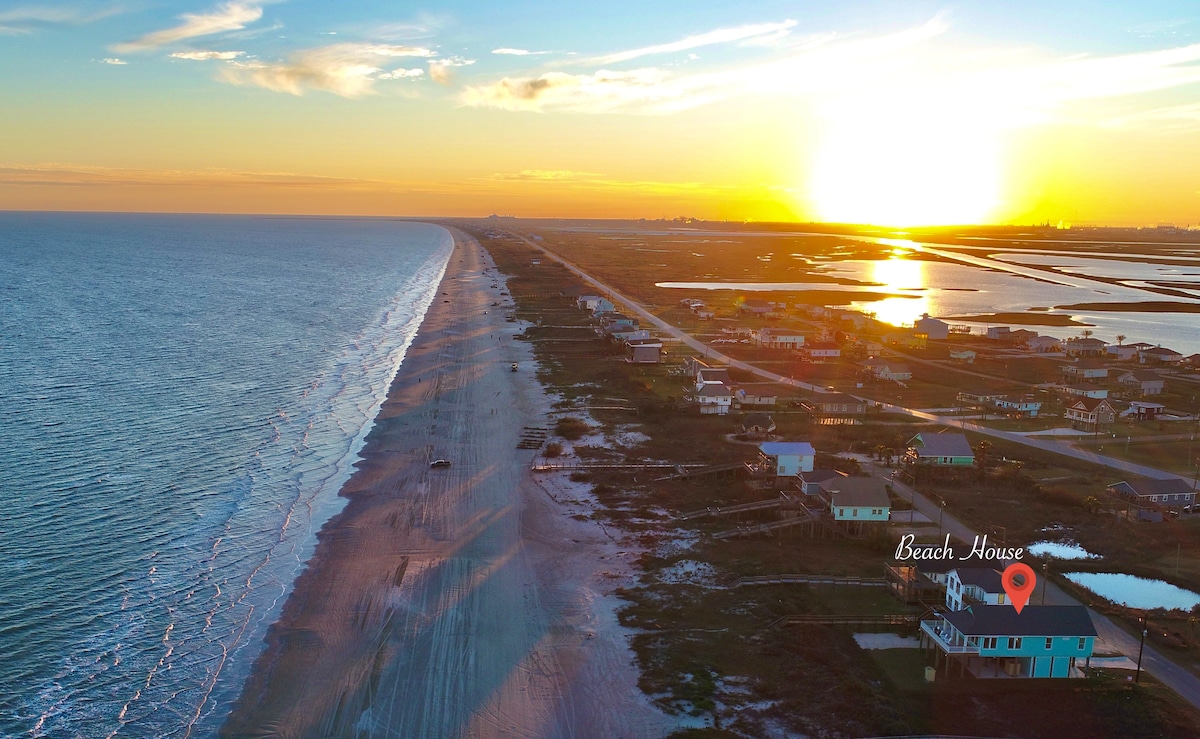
x=1031, y=621
x=981, y=577
x=859, y=492
x=1153, y=487
x=942, y=445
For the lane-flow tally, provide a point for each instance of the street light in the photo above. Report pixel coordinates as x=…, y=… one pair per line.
x=1138, y=677
x=1045, y=568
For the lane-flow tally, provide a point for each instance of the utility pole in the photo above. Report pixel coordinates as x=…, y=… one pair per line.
x=1045, y=568
x=1138, y=677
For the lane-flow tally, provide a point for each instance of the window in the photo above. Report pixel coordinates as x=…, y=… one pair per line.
x=1082, y=643
x=1000, y=599
x=1014, y=642
x=1049, y=643
x=989, y=642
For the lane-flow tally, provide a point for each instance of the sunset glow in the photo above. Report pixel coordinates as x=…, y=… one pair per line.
x=906, y=116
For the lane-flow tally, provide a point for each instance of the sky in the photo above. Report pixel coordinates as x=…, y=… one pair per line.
x=888, y=112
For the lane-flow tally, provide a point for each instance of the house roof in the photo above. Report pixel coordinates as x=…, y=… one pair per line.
x=984, y=578
x=942, y=445
x=1152, y=487
x=714, y=390
x=1091, y=404
x=761, y=420
x=1142, y=375
x=1162, y=351
x=859, y=492
x=821, y=345
x=1088, y=342
x=816, y=477
x=651, y=343
x=712, y=374
x=1031, y=621
x=779, y=448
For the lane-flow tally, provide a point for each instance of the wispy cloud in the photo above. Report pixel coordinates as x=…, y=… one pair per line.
x=546, y=175
x=27, y=19
x=719, y=36
x=518, y=52
x=113, y=60
x=911, y=72
x=229, y=16
x=349, y=69
x=208, y=56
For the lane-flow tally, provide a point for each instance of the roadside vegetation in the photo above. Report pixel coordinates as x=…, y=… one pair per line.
x=723, y=655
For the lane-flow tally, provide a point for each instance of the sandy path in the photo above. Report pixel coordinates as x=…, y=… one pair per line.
x=459, y=601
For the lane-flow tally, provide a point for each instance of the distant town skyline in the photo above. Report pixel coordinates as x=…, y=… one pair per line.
x=915, y=113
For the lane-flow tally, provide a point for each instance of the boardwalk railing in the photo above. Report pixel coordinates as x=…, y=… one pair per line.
x=848, y=620
x=808, y=580
x=757, y=505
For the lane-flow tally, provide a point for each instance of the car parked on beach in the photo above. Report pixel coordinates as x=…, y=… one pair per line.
x=440, y=463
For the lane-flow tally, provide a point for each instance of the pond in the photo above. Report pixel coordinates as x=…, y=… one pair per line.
x=1135, y=592
x=1060, y=550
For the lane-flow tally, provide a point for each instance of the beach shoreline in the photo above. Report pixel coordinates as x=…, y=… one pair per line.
x=457, y=600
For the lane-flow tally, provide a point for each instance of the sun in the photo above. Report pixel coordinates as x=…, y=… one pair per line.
x=905, y=168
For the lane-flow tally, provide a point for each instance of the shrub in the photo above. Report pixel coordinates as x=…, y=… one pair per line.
x=571, y=428
x=553, y=449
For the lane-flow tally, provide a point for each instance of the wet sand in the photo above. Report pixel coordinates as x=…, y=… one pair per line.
x=457, y=601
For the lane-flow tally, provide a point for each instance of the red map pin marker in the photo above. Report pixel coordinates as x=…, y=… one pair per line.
x=1018, y=594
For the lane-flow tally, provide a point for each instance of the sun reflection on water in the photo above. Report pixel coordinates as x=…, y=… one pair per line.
x=897, y=275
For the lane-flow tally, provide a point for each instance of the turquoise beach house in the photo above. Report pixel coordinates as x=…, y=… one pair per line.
x=997, y=642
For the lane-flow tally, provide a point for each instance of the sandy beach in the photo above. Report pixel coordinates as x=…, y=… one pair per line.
x=454, y=601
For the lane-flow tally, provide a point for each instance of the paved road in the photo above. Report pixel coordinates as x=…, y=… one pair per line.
x=1154, y=663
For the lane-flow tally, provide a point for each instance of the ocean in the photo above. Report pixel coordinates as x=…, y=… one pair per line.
x=181, y=398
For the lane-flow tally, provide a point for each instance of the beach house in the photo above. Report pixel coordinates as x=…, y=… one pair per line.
x=713, y=398
x=836, y=404
x=967, y=586
x=932, y=327
x=1085, y=369
x=1018, y=406
x=1159, y=355
x=993, y=641
x=1146, y=382
x=1170, y=494
x=778, y=338
x=1089, y=413
x=1043, y=344
x=939, y=450
x=1085, y=347
x=643, y=351
x=820, y=351
x=858, y=500
x=888, y=371
x=785, y=458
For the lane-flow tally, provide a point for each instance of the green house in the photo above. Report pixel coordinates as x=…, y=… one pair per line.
x=940, y=450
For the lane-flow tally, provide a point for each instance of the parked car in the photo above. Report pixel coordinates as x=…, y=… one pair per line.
x=440, y=463
x=514, y=366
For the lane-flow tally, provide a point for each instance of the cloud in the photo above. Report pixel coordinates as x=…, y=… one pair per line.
x=399, y=74
x=113, y=60
x=441, y=71
x=27, y=19
x=229, y=16
x=349, y=69
x=518, y=52
x=719, y=36
x=206, y=56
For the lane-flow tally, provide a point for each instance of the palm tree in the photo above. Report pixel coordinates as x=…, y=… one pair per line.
x=1087, y=332
x=1120, y=338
